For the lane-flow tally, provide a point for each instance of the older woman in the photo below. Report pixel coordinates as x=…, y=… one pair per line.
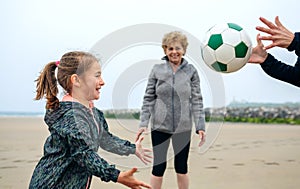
x=172, y=98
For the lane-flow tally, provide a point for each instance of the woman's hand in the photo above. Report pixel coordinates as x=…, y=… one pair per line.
x=202, y=137
x=140, y=132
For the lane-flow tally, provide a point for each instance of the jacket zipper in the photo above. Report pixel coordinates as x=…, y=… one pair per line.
x=173, y=113
x=88, y=183
x=173, y=91
x=98, y=128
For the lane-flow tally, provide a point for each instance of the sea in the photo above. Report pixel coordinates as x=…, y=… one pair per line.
x=22, y=114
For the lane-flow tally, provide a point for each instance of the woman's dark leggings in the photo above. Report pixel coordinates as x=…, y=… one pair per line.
x=181, y=147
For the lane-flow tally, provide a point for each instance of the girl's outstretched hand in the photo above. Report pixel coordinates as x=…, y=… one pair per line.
x=126, y=178
x=142, y=153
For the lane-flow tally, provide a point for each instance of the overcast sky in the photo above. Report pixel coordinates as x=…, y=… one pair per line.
x=35, y=32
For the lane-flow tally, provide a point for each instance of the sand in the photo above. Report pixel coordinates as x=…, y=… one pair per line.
x=236, y=156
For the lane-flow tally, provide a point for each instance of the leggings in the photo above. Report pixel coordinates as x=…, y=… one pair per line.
x=181, y=148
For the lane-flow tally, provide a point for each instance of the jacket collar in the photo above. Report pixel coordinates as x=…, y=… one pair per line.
x=183, y=61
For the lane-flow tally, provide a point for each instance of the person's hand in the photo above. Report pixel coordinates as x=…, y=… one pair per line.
x=259, y=53
x=202, y=137
x=279, y=35
x=142, y=153
x=140, y=132
x=128, y=180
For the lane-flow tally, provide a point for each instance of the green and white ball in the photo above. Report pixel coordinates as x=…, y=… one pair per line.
x=226, y=47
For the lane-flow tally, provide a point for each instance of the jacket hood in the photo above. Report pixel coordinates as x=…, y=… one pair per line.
x=52, y=116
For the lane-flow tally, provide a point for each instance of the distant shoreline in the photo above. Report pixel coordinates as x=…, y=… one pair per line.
x=270, y=122
x=261, y=113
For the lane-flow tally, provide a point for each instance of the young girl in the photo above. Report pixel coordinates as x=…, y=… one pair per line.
x=77, y=129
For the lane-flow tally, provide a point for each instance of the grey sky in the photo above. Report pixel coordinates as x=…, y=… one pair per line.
x=35, y=32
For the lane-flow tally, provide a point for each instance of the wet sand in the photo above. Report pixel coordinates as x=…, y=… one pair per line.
x=236, y=156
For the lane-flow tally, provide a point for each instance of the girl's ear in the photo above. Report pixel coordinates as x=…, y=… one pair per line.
x=75, y=80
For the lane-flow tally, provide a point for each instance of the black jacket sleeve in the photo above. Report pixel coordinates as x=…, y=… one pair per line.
x=282, y=71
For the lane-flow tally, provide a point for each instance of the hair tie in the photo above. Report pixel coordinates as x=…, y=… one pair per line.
x=57, y=63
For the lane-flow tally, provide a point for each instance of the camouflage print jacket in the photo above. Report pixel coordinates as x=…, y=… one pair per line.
x=70, y=152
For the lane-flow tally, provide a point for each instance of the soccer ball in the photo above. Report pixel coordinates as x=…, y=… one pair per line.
x=226, y=47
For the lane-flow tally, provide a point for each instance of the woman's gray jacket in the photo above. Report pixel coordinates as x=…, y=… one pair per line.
x=172, y=99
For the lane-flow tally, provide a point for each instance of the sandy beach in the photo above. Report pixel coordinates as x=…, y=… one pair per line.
x=236, y=156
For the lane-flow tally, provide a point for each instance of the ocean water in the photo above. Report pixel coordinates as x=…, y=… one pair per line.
x=22, y=114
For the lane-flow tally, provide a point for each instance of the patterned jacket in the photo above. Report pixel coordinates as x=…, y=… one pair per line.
x=70, y=152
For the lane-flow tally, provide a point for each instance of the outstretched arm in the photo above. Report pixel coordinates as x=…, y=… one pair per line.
x=280, y=37
x=274, y=67
x=142, y=153
x=259, y=53
x=120, y=146
x=128, y=179
x=278, y=34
